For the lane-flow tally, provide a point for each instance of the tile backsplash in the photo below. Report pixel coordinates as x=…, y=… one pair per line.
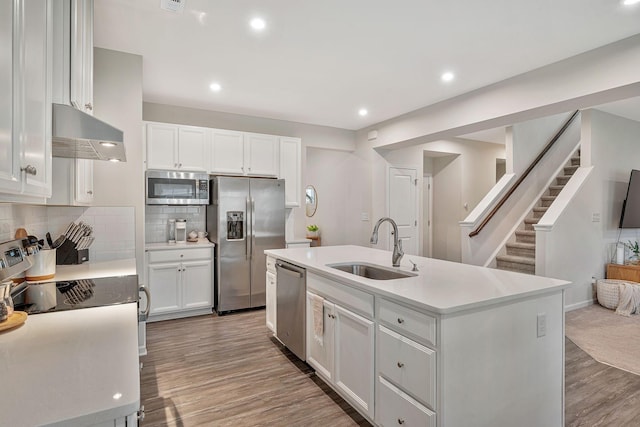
x=113, y=227
x=157, y=217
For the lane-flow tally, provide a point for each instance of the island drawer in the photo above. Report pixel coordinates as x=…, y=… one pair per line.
x=409, y=365
x=407, y=321
x=345, y=295
x=400, y=409
x=173, y=255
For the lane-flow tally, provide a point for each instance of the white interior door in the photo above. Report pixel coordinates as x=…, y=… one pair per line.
x=403, y=207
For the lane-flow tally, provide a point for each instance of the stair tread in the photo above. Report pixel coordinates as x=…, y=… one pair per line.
x=526, y=232
x=540, y=208
x=521, y=245
x=516, y=259
x=556, y=187
x=531, y=220
x=548, y=197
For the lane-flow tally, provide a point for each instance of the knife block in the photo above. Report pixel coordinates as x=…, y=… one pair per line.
x=67, y=254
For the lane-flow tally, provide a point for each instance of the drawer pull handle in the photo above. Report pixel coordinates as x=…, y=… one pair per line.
x=400, y=320
x=400, y=421
x=400, y=364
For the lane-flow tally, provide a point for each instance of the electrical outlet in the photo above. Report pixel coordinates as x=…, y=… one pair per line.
x=542, y=324
x=364, y=216
x=595, y=217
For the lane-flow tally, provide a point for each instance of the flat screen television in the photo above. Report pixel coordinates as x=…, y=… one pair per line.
x=630, y=217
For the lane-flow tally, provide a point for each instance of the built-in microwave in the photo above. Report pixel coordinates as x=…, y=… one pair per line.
x=177, y=188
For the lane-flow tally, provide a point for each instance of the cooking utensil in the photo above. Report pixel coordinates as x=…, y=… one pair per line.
x=49, y=240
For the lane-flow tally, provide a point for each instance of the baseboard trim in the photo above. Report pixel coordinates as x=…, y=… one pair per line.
x=578, y=305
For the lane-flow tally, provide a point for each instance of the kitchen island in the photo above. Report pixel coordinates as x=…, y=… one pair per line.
x=73, y=367
x=449, y=345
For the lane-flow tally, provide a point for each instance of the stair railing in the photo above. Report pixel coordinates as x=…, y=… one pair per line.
x=516, y=184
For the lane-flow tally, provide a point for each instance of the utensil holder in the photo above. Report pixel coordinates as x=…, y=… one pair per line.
x=68, y=254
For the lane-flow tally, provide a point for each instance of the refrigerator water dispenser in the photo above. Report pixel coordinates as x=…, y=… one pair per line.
x=235, y=225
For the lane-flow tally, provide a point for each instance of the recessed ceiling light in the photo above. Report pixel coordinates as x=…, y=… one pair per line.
x=447, y=77
x=107, y=144
x=114, y=160
x=258, y=24
x=363, y=112
x=630, y=2
x=215, y=87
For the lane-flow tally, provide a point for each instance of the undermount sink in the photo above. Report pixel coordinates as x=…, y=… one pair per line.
x=371, y=271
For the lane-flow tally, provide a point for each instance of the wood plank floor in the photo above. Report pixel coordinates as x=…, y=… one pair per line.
x=229, y=371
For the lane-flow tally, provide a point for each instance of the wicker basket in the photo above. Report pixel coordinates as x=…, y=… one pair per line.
x=608, y=292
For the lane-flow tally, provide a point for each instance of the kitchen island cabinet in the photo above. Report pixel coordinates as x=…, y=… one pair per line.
x=180, y=279
x=455, y=344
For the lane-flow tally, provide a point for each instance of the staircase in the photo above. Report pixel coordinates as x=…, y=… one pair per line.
x=521, y=254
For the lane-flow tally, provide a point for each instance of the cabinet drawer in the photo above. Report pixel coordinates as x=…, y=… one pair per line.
x=419, y=326
x=408, y=364
x=179, y=255
x=271, y=264
x=344, y=295
x=395, y=408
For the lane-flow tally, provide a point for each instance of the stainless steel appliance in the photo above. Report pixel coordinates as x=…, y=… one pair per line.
x=177, y=188
x=291, y=292
x=245, y=217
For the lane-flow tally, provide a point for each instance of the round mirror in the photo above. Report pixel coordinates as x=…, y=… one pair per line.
x=311, y=200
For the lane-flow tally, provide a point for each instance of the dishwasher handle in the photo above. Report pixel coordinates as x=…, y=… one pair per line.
x=290, y=269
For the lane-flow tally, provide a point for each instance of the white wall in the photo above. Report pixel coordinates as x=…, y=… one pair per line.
x=311, y=135
x=529, y=139
x=117, y=96
x=463, y=171
x=578, y=248
x=336, y=176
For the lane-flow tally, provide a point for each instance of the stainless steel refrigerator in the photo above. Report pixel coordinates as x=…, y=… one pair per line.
x=245, y=216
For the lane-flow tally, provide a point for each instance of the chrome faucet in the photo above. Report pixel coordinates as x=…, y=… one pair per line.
x=397, y=243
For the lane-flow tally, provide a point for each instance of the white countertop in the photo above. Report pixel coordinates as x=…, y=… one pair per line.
x=441, y=286
x=71, y=368
x=204, y=243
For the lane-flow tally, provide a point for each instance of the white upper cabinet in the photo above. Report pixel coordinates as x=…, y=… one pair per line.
x=244, y=153
x=81, y=89
x=261, y=155
x=290, y=170
x=227, y=152
x=9, y=166
x=72, y=182
x=25, y=140
x=176, y=147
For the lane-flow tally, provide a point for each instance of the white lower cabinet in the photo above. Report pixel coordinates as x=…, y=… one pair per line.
x=271, y=295
x=271, y=308
x=353, y=358
x=180, y=281
x=344, y=357
x=396, y=408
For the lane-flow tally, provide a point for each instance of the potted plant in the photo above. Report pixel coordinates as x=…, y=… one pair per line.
x=634, y=259
x=312, y=230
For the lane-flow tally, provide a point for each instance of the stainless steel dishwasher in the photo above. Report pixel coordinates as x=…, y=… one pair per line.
x=291, y=289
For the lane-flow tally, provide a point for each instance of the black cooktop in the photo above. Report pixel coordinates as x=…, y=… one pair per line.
x=74, y=294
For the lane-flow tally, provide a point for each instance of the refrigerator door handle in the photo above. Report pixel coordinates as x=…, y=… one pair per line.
x=248, y=229
x=253, y=224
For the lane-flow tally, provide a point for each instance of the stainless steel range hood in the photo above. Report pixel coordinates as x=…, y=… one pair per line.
x=81, y=136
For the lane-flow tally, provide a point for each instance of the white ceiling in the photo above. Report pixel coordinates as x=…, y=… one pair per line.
x=319, y=62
